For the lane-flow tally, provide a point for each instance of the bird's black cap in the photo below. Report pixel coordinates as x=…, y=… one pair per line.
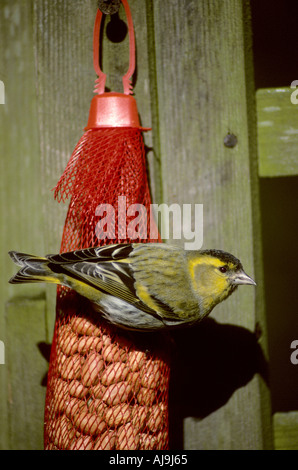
x=224, y=257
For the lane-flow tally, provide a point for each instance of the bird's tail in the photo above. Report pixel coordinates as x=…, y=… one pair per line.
x=33, y=269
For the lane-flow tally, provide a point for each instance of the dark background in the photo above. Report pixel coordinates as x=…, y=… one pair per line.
x=275, y=41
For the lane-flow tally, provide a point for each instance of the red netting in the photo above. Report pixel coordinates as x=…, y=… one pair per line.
x=106, y=164
x=107, y=388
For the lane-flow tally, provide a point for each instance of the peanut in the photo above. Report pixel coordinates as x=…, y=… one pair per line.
x=161, y=440
x=82, y=443
x=89, y=423
x=106, y=441
x=151, y=375
x=147, y=442
x=115, y=372
x=67, y=340
x=136, y=360
x=60, y=359
x=146, y=396
x=117, y=393
x=127, y=437
x=112, y=353
x=156, y=418
x=97, y=406
x=61, y=395
x=139, y=416
x=71, y=367
x=91, y=369
x=97, y=391
x=77, y=389
x=84, y=326
x=135, y=380
x=87, y=343
x=117, y=415
x=75, y=406
x=64, y=432
x=106, y=340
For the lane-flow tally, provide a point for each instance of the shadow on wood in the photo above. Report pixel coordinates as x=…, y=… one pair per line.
x=209, y=363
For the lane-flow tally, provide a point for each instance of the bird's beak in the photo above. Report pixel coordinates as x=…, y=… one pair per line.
x=242, y=278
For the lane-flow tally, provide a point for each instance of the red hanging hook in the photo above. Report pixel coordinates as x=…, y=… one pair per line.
x=111, y=109
x=101, y=80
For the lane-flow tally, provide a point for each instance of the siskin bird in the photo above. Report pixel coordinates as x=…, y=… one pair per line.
x=144, y=286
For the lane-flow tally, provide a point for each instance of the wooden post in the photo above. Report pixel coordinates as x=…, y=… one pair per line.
x=21, y=229
x=204, y=83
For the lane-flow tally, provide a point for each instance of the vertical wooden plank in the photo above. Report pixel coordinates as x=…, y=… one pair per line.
x=277, y=132
x=54, y=58
x=26, y=369
x=21, y=203
x=64, y=36
x=65, y=81
x=65, y=77
x=203, y=95
x=286, y=430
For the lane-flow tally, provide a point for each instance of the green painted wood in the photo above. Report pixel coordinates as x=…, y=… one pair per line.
x=277, y=114
x=48, y=74
x=193, y=86
x=286, y=430
x=21, y=206
x=205, y=90
x=26, y=368
x=65, y=82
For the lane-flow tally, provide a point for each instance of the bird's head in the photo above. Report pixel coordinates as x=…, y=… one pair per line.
x=215, y=274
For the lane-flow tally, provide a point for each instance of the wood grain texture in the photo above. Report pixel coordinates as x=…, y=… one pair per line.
x=203, y=94
x=193, y=86
x=64, y=88
x=21, y=202
x=286, y=430
x=26, y=368
x=277, y=132
x=65, y=82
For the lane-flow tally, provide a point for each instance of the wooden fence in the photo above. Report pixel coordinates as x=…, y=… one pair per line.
x=194, y=87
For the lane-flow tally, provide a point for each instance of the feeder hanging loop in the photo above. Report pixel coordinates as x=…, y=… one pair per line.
x=101, y=80
x=111, y=109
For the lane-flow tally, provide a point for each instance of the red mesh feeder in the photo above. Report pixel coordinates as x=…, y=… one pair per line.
x=107, y=388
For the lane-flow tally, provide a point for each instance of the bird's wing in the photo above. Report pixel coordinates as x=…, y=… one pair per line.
x=106, y=269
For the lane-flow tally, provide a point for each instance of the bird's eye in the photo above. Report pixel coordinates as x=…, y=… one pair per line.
x=223, y=269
